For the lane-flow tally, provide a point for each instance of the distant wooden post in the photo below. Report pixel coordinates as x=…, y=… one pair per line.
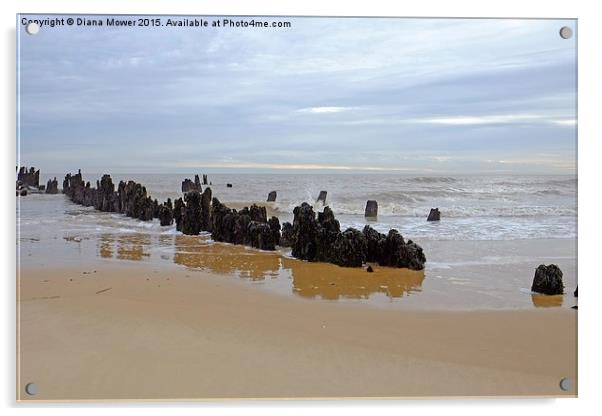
x=371, y=209
x=322, y=197
x=434, y=215
x=272, y=196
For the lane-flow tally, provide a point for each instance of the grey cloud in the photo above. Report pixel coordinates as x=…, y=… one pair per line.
x=429, y=93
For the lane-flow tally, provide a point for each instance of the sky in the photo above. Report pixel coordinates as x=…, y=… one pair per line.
x=391, y=95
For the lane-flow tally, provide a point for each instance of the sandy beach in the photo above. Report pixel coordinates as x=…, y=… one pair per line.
x=112, y=308
x=140, y=331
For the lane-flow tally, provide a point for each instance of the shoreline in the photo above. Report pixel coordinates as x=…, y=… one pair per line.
x=459, y=275
x=178, y=326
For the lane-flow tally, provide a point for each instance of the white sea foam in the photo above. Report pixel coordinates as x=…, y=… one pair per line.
x=472, y=207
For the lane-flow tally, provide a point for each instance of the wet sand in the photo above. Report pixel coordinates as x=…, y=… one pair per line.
x=459, y=275
x=140, y=330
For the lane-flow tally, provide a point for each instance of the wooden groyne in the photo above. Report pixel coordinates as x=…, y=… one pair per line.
x=312, y=237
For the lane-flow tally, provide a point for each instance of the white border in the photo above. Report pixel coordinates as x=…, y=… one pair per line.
x=590, y=70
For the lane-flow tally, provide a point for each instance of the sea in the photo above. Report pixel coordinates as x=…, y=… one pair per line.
x=487, y=221
x=472, y=207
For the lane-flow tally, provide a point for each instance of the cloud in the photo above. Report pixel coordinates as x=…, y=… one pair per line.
x=324, y=110
x=568, y=123
x=341, y=93
x=467, y=120
x=493, y=119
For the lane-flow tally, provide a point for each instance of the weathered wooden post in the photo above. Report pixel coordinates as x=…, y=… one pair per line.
x=434, y=215
x=371, y=209
x=322, y=197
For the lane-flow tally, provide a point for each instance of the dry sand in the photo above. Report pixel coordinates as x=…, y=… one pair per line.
x=146, y=332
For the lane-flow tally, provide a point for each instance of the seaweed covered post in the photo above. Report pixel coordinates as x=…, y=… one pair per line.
x=130, y=198
x=548, y=280
x=191, y=214
x=52, y=186
x=322, y=240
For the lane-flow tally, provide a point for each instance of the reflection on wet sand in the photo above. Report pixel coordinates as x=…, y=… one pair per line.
x=199, y=253
x=124, y=246
x=105, y=247
x=309, y=280
x=323, y=280
x=546, y=301
x=329, y=281
x=312, y=280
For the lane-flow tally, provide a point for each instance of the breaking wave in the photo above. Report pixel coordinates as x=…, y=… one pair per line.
x=393, y=209
x=504, y=206
x=433, y=179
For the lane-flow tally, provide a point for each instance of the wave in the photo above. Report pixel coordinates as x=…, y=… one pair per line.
x=567, y=182
x=433, y=179
x=393, y=209
x=547, y=192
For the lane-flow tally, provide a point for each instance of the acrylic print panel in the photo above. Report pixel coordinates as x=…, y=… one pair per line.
x=295, y=207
